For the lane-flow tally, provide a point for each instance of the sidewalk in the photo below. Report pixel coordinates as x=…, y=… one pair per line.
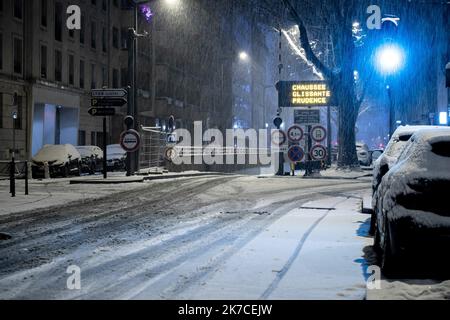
x=65, y=191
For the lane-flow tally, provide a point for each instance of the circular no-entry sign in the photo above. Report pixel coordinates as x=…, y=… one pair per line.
x=318, y=133
x=130, y=140
x=295, y=133
x=318, y=152
x=278, y=137
x=296, y=153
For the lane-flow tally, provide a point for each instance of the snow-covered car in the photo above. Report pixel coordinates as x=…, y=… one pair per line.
x=389, y=157
x=116, y=157
x=413, y=214
x=63, y=160
x=375, y=154
x=91, y=158
x=362, y=150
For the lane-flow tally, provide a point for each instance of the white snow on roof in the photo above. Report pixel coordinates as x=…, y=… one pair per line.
x=59, y=153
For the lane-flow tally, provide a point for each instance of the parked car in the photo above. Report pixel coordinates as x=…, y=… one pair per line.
x=375, y=154
x=413, y=215
x=63, y=160
x=389, y=157
x=116, y=157
x=362, y=150
x=91, y=158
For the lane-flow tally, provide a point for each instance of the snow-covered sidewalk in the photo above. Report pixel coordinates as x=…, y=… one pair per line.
x=312, y=252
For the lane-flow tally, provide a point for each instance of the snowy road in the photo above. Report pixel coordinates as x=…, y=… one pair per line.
x=220, y=237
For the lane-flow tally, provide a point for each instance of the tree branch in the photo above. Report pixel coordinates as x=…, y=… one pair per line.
x=304, y=41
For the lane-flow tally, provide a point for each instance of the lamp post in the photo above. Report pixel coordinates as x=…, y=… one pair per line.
x=132, y=46
x=389, y=60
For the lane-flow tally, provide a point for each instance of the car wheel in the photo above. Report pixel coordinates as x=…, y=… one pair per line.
x=65, y=171
x=389, y=259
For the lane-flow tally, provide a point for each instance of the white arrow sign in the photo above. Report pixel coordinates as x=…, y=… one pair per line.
x=109, y=93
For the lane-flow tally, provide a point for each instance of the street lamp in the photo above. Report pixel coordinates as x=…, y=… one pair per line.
x=243, y=56
x=389, y=59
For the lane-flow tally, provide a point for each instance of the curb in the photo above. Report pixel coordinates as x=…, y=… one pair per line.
x=145, y=178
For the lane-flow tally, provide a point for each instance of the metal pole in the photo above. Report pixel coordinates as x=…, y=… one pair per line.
x=26, y=178
x=329, y=134
x=131, y=92
x=135, y=107
x=12, y=173
x=105, y=169
x=391, y=112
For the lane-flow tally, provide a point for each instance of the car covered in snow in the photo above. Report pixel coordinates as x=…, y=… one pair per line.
x=63, y=160
x=116, y=157
x=363, y=153
x=413, y=212
x=91, y=158
x=389, y=157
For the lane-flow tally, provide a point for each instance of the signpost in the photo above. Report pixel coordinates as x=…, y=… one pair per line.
x=295, y=133
x=130, y=140
x=318, y=152
x=318, y=133
x=102, y=112
x=102, y=102
x=307, y=116
x=303, y=93
x=108, y=102
x=296, y=153
x=109, y=93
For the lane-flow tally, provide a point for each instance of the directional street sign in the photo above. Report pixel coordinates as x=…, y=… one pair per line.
x=318, y=152
x=102, y=112
x=318, y=133
x=296, y=153
x=109, y=93
x=108, y=102
x=295, y=133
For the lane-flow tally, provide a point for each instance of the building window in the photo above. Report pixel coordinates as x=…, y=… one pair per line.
x=93, y=83
x=93, y=35
x=93, y=140
x=82, y=74
x=44, y=13
x=82, y=30
x=1, y=51
x=71, y=69
x=104, y=5
x=18, y=122
x=124, y=77
x=1, y=109
x=58, y=65
x=124, y=38
x=104, y=76
x=43, y=62
x=81, y=138
x=18, y=55
x=1, y=5
x=115, y=80
x=58, y=21
x=115, y=38
x=104, y=39
x=18, y=9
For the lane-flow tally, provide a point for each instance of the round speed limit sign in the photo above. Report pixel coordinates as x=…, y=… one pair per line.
x=318, y=152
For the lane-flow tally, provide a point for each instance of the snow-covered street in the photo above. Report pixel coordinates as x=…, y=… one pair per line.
x=217, y=237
